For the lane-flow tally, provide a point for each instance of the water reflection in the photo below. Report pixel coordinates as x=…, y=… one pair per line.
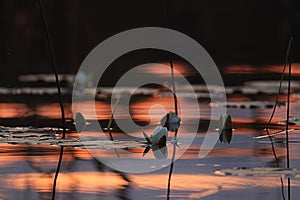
x=251, y=69
x=14, y=110
x=202, y=185
x=28, y=170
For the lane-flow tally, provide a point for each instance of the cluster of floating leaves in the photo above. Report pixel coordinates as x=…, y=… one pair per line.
x=28, y=135
x=47, y=135
x=259, y=171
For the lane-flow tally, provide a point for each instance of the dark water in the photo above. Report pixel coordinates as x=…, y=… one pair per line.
x=27, y=171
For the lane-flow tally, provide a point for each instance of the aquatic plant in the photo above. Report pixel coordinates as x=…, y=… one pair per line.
x=159, y=136
x=157, y=143
x=225, y=128
x=51, y=49
x=80, y=122
x=171, y=121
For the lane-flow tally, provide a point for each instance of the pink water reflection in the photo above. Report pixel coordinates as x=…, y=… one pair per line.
x=251, y=69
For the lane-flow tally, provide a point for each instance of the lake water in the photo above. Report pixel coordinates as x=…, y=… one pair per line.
x=27, y=171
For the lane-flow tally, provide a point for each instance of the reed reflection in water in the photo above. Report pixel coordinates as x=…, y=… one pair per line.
x=27, y=171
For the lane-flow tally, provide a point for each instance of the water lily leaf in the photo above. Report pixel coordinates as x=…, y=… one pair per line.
x=246, y=104
x=259, y=171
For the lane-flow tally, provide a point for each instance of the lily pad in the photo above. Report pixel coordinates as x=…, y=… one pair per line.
x=246, y=104
x=259, y=171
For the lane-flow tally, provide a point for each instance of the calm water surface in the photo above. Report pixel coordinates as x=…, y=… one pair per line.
x=27, y=171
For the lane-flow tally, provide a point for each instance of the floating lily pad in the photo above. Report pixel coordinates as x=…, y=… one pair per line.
x=292, y=121
x=29, y=129
x=102, y=144
x=246, y=104
x=259, y=171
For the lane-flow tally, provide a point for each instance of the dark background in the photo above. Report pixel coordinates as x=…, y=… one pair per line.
x=232, y=31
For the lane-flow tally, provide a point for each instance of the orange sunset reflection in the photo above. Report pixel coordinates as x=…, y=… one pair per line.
x=14, y=110
x=180, y=67
x=250, y=69
x=83, y=182
x=151, y=108
x=204, y=185
x=103, y=110
x=52, y=111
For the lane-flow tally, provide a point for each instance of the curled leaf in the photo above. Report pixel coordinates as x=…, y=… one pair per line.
x=80, y=122
x=147, y=138
x=225, y=128
x=147, y=149
x=159, y=136
x=171, y=121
